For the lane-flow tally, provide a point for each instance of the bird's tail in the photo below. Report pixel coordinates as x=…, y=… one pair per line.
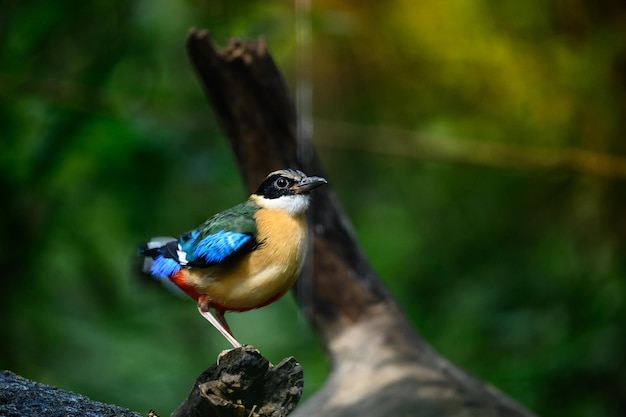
x=151, y=250
x=157, y=246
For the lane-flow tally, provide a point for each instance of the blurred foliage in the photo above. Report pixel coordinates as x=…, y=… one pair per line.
x=512, y=268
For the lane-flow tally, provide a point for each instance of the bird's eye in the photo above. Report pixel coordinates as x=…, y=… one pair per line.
x=282, y=183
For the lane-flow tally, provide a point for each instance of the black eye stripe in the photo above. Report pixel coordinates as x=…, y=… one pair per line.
x=276, y=186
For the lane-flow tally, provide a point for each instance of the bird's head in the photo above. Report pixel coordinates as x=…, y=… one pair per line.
x=287, y=190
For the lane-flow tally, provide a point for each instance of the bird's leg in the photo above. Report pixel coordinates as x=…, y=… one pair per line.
x=219, y=323
x=219, y=315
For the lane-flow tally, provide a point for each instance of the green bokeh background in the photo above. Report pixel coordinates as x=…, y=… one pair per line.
x=434, y=121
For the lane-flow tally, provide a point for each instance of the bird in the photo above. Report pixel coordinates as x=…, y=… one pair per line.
x=245, y=257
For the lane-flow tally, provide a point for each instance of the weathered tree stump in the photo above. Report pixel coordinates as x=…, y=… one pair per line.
x=380, y=364
x=244, y=384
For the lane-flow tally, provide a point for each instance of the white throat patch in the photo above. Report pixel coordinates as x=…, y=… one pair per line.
x=291, y=204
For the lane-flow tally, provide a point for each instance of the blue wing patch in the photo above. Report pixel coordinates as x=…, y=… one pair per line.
x=164, y=267
x=216, y=247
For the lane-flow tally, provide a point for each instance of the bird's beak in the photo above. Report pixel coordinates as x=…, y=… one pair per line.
x=307, y=184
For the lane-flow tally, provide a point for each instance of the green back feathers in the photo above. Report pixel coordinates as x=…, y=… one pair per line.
x=238, y=219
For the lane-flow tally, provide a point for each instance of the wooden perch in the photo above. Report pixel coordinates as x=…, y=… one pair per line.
x=380, y=365
x=244, y=383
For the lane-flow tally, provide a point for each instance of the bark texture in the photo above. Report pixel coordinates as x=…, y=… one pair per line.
x=244, y=383
x=22, y=397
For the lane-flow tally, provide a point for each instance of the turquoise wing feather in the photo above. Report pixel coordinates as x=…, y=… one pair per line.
x=228, y=233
